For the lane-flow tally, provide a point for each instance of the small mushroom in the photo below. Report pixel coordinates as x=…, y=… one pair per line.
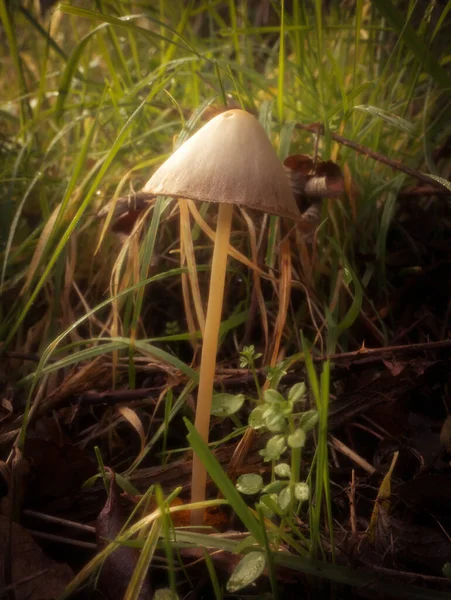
x=229, y=161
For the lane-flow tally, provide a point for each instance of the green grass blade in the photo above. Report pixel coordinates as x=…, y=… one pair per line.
x=224, y=484
x=415, y=44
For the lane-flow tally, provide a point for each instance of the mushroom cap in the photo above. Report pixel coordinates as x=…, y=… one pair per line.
x=230, y=159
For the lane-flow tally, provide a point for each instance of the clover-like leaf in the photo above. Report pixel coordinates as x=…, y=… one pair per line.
x=224, y=405
x=249, y=484
x=283, y=470
x=285, y=498
x=301, y=491
x=274, y=420
x=273, y=397
x=256, y=419
x=297, y=392
x=308, y=420
x=274, y=448
x=297, y=438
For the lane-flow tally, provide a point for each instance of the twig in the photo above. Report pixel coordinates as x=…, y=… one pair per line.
x=363, y=352
x=62, y=540
x=15, y=585
x=59, y=521
x=26, y=356
x=352, y=514
x=114, y=396
x=424, y=190
x=394, y=164
x=407, y=574
x=361, y=462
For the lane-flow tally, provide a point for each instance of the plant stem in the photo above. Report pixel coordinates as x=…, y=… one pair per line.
x=209, y=350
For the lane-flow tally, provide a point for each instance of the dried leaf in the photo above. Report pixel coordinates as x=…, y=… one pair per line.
x=395, y=367
x=34, y=575
x=118, y=568
x=131, y=416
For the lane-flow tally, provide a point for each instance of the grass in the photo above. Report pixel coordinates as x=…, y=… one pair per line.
x=94, y=99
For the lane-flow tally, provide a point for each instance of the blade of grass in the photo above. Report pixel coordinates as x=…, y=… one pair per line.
x=224, y=484
x=92, y=190
x=415, y=44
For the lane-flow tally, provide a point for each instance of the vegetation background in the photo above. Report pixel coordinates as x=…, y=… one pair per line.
x=94, y=297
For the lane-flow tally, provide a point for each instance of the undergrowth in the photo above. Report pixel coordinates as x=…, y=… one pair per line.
x=95, y=96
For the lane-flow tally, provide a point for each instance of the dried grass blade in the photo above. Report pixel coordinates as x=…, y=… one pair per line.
x=257, y=282
x=232, y=251
x=284, y=299
x=186, y=242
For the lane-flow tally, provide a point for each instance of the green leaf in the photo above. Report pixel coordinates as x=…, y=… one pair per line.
x=308, y=420
x=446, y=570
x=224, y=405
x=224, y=484
x=250, y=567
x=284, y=499
x=275, y=374
x=155, y=352
x=274, y=420
x=297, y=438
x=444, y=182
x=274, y=487
x=247, y=543
x=256, y=420
x=273, y=397
x=267, y=512
x=274, y=448
x=270, y=501
x=165, y=594
x=283, y=470
x=71, y=67
x=386, y=116
x=397, y=20
x=249, y=484
x=297, y=392
x=301, y=491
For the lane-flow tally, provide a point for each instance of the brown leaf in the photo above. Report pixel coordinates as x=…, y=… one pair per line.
x=6, y=409
x=131, y=416
x=118, y=568
x=395, y=367
x=34, y=575
x=57, y=467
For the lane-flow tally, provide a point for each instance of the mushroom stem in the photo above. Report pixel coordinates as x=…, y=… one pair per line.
x=209, y=350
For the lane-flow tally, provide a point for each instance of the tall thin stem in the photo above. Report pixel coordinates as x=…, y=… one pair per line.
x=209, y=350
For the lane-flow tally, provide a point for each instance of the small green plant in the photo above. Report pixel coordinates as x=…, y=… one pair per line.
x=172, y=328
x=289, y=424
x=248, y=356
x=288, y=421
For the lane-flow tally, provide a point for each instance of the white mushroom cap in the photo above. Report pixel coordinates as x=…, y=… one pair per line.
x=229, y=160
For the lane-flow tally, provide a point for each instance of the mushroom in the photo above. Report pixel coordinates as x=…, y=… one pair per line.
x=229, y=161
